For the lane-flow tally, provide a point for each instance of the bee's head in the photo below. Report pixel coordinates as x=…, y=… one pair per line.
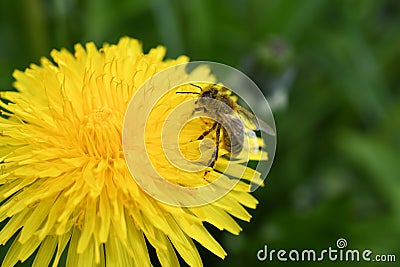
x=211, y=92
x=206, y=94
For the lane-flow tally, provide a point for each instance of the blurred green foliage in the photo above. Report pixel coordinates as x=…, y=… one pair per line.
x=331, y=70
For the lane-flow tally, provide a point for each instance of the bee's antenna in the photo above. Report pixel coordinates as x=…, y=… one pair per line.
x=196, y=93
x=201, y=89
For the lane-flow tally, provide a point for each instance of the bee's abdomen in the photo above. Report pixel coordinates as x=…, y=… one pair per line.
x=233, y=141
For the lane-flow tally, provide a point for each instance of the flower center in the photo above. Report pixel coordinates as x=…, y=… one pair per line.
x=100, y=134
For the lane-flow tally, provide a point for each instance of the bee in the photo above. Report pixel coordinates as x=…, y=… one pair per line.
x=237, y=126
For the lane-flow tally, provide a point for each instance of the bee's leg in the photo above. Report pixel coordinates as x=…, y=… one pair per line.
x=215, y=154
x=207, y=132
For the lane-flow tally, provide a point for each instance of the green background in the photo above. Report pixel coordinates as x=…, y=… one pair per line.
x=331, y=71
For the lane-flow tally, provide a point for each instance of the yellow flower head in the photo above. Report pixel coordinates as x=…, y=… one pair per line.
x=65, y=184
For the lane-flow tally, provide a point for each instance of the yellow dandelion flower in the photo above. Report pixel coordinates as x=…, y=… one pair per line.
x=65, y=184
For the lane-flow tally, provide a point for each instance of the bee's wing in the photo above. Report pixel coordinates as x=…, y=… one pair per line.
x=253, y=123
x=235, y=129
x=248, y=118
x=263, y=126
x=252, y=142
